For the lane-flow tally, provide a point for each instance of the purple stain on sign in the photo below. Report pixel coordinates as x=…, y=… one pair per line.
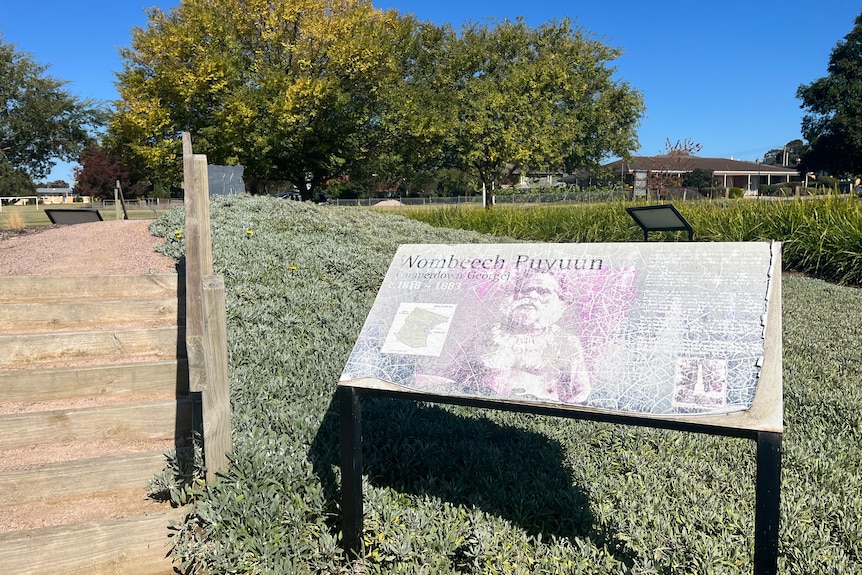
x=544, y=322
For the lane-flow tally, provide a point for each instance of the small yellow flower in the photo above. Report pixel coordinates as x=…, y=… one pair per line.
x=178, y=234
x=249, y=233
x=293, y=268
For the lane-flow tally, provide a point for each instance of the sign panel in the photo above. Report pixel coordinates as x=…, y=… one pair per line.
x=73, y=216
x=665, y=329
x=225, y=180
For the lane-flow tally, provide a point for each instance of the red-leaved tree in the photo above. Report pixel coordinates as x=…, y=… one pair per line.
x=98, y=175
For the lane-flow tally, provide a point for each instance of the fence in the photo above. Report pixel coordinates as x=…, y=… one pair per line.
x=157, y=203
x=567, y=197
x=18, y=201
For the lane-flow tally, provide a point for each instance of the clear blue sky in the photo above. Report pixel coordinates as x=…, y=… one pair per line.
x=723, y=74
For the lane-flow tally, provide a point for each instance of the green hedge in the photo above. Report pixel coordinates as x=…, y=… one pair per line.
x=457, y=490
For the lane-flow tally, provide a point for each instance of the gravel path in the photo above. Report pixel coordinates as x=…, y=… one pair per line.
x=107, y=248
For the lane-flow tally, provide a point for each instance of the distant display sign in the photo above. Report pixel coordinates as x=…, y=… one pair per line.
x=648, y=328
x=225, y=180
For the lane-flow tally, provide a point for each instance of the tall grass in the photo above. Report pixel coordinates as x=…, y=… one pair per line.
x=15, y=220
x=821, y=237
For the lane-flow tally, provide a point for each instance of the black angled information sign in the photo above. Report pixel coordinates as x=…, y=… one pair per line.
x=673, y=335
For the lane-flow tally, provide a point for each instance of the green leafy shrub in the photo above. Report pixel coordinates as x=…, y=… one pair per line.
x=790, y=189
x=826, y=183
x=736, y=193
x=182, y=480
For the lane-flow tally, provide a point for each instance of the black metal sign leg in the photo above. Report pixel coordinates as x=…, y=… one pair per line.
x=350, y=413
x=767, y=504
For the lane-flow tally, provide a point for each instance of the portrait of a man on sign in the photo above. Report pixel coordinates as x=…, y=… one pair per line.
x=523, y=347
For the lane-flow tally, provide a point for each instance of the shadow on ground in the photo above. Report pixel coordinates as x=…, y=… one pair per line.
x=464, y=459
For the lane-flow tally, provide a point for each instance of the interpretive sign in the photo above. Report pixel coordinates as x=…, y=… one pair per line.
x=675, y=335
x=73, y=216
x=225, y=180
x=660, y=218
x=662, y=329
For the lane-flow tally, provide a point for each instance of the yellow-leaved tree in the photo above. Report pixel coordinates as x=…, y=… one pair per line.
x=290, y=89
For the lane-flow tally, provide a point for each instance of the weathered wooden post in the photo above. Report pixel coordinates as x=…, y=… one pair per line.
x=206, y=324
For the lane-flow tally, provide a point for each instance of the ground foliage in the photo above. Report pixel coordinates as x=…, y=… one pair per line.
x=457, y=490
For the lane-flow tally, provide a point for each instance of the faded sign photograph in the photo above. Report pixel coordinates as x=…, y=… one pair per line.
x=639, y=328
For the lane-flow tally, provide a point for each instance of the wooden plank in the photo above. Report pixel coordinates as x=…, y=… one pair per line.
x=198, y=258
x=83, y=287
x=93, y=381
x=169, y=420
x=216, y=396
x=194, y=264
x=41, y=315
x=202, y=190
x=109, y=346
x=80, y=477
x=133, y=546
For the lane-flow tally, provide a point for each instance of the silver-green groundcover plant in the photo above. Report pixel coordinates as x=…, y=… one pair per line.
x=456, y=490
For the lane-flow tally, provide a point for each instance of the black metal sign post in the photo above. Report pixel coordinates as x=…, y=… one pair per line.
x=767, y=500
x=350, y=415
x=768, y=480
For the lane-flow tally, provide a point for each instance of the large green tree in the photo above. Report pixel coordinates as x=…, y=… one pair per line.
x=308, y=91
x=15, y=182
x=832, y=123
x=501, y=97
x=288, y=88
x=40, y=121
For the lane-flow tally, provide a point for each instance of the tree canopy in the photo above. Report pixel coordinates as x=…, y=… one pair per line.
x=306, y=91
x=502, y=97
x=833, y=121
x=99, y=173
x=699, y=178
x=289, y=89
x=14, y=182
x=40, y=121
x=788, y=155
x=678, y=159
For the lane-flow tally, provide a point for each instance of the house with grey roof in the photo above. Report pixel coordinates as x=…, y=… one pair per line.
x=727, y=173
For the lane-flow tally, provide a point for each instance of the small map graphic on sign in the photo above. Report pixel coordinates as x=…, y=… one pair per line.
x=419, y=329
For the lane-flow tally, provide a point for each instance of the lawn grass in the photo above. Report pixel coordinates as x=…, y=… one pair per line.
x=458, y=490
x=35, y=216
